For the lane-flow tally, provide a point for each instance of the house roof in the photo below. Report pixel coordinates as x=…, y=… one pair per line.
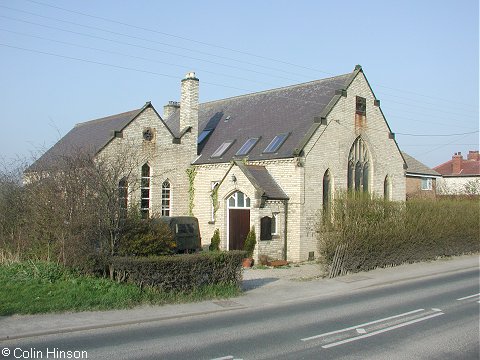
x=468, y=167
x=292, y=111
x=263, y=181
x=416, y=167
x=289, y=110
x=87, y=138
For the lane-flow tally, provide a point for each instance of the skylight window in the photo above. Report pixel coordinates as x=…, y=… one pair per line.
x=222, y=149
x=245, y=149
x=203, y=135
x=275, y=143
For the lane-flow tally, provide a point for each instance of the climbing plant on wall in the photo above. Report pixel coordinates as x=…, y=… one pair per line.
x=191, y=173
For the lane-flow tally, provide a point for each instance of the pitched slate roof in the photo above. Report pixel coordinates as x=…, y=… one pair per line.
x=87, y=138
x=416, y=167
x=290, y=110
x=263, y=181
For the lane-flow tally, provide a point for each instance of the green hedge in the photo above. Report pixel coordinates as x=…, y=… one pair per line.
x=379, y=234
x=181, y=272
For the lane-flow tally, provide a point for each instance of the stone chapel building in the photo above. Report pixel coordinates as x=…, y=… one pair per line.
x=272, y=159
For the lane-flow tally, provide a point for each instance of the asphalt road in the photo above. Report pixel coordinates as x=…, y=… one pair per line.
x=426, y=318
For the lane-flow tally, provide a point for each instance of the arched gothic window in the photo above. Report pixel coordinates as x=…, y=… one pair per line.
x=358, y=172
x=238, y=200
x=122, y=198
x=166, y=198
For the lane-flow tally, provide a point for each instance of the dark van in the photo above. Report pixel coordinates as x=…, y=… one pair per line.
x=186, y=232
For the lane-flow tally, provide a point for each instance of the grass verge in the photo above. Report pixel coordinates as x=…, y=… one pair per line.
x=38, y=287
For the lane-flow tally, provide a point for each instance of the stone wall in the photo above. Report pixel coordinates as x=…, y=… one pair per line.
x=329, y=149
x=167, y=161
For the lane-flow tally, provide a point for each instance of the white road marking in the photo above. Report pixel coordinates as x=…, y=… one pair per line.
x=228, y=357
x=381, y=331
x=468, y=297
x=435, y=309
x=361, y=331
x=361, y=325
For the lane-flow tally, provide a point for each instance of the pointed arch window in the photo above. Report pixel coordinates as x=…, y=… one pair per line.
x=145, y=192
x=359, y=170
x=166, y=198
x=123, y=198
x=387, y=188
x=238, y=200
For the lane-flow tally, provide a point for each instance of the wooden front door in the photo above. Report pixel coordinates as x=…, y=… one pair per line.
x=238, y=227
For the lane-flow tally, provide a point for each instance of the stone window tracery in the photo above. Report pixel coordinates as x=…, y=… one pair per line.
x=358, y=174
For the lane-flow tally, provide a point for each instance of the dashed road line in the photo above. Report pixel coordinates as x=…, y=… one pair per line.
x=382, y=330
x=361, y=325
x=468, y=297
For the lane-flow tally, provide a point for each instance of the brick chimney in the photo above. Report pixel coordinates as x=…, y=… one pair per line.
x=473, y=155
x=189, y=105
x=457, y=159
x=170, y=108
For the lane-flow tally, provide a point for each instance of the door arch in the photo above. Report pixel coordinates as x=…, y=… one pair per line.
x=238, y=220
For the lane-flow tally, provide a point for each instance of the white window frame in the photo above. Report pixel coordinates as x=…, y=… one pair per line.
x=426, y=183
x=274, y=224
x=166, y=210
x=149, y=188
x=235, y=197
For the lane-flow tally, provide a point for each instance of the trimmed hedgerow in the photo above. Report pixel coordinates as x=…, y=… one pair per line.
x=181, y=272
x=376, y=233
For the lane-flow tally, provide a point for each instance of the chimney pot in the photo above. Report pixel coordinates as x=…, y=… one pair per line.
x=473, y=155
x=457, y=163
x=170, y=108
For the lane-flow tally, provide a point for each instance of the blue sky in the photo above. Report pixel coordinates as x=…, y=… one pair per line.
x=64, y=62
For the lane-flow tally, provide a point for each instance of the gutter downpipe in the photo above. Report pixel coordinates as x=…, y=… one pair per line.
x=285, y=231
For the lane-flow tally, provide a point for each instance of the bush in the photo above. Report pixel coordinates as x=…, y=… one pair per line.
x=186, y=272
x=250, y=242
x=145, y=237
x=215, y=241
x=378, y=233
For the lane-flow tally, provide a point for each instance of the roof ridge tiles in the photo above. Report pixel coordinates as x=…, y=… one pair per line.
x=109, y=117
x=268, y=91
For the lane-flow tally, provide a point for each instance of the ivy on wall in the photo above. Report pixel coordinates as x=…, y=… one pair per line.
x=191, y=173
x=214, y=196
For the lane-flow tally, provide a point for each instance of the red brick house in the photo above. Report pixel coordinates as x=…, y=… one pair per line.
x=459, y=175
x=421, y=181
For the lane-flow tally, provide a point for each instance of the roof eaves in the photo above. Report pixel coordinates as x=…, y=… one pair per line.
x=281, y=194
x=424, y=174
x=183, y=132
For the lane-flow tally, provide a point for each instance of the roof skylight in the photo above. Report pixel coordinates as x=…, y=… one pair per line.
x=275, y=143
x=203, y=135
x=245, y=149
x=222, y=149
